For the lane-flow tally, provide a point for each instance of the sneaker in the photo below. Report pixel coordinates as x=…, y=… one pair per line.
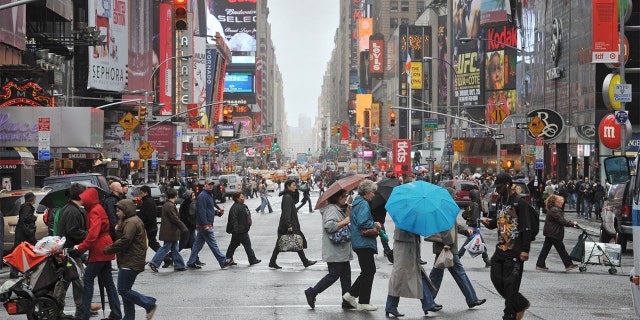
x=151, y=312
x=228, y=262
x=542, y=268
x=311, y=298
x=193, y=267
x=351, y=300
x=153, y=267
x=571, y=267
x=366, y=307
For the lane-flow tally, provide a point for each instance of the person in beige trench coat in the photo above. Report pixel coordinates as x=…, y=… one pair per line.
x=408, y=279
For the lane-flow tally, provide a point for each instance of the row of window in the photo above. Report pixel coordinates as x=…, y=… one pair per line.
x=404, y=6
x=393, y=22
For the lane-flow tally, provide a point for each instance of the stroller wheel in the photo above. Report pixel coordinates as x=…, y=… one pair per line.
x=582, y=269
x=43, y=308
x=613, y=271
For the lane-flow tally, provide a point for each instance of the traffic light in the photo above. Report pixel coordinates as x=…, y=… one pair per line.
x=142, y=113
x=392, y=119
x=180, y=18
x=275, y=144
x=227, y=114
x=334, y=131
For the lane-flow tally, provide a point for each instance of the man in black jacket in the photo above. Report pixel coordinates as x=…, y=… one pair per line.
x=72, y=225
x=109, y=205
x=148, y=215
x=512, y=249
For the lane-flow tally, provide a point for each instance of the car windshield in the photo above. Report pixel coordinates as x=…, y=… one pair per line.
x=466, y=186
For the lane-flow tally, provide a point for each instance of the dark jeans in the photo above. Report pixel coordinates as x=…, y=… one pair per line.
x=276, y=251
x=506, y=275
x=459, y=275
x=427, y=300
x=546, y=247
x=305, y=199
x=102, y=270
x=361, y=288
x=236, y=240
x=131, y=298
x=337, y=270
x=151, y=237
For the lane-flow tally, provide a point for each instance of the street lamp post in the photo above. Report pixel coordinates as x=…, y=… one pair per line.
x=146, y=104
x=455, y=74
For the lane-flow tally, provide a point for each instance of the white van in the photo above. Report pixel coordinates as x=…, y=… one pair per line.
x=232, y=183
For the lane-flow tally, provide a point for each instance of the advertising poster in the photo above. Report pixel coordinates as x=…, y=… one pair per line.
x=467, y=55
x=141, y=53
x=500, y=70
x=494, y=12
x=365, y=30
x=236, y=22
x=606, y=36
x=108, y=61
x=443, y=58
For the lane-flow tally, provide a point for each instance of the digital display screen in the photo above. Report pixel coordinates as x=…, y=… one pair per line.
x=238, y=82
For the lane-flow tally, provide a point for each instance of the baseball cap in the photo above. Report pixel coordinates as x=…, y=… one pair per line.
x=208, y=181
x=501, y=179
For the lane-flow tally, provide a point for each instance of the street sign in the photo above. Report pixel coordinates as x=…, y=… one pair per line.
x=209, y=139
x=536, y=126
x=154, y=163
x=522, y=125
x=539, y=164
x=429, y=159
x=622, y=93
x=430, y=124
x=44, y=155
x=498, y=115
x=458, y=145
x=126, y=157
x=145, y=150
x=622, y=117
x=498, y=136
x=129, y=122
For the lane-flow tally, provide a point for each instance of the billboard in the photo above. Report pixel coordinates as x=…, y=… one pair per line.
x=365, y=30
x=606, y=35
x=500, y=70
x=141, y=51
x=376, y=57
x=235, y=21
x=108, y=61
x=467, y=57
x=493, y=11
x=238, y=82
x=163, y=46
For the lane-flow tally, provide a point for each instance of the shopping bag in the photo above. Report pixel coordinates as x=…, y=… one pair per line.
x=475, y=247
x=445, y=260
x=290, y=242
x=578, y=250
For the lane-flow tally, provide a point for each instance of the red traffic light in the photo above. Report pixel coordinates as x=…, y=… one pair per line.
x=181, y=20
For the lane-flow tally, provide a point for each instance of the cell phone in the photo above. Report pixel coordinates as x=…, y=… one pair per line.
x=349, y=200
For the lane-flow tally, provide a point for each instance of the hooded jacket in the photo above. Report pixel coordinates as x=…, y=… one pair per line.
x=131, y=244
x=170, y=225
x=361, y=219
x=97, y=226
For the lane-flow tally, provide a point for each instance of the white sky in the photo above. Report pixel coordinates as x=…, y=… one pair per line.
x=302, y=33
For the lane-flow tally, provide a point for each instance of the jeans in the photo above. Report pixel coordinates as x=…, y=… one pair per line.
x=207, y=236
x=168, y=246
x=101, y=269
x=462, y=250
x=459, y=275
x=236, y=240
x=573, y=198
x=427, y=301
x=152, y=238
x=506, y=275
x=305, y=199
x=361, y=288
x=265, y=203
x=597, y=207
x=337, y=270
x=60, y=290
x=586, y=208
x=546, y=247
x=131, y=298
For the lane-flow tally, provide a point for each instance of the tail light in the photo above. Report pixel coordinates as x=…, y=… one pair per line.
x=494, y=197
x=625, y=211
x=138, y=201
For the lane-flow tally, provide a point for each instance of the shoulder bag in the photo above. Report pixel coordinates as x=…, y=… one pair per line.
x=341, y=236
x=290, y=242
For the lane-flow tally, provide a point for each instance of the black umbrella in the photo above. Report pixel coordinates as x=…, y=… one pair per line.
x=57, y=197
x=384, y=191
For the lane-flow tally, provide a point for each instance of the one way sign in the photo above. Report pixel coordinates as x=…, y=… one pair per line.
x=522, y=125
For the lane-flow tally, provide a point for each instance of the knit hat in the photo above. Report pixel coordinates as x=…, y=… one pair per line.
x=187, y=194
x=29, y=196
x=502, y=179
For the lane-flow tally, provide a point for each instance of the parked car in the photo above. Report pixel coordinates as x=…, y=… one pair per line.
x=88, y=179
x=10, y=203
x=232, y=184
x=217, y=185
x=617, y=218
x=489, y=200
x=157, y=195
x=462, y=188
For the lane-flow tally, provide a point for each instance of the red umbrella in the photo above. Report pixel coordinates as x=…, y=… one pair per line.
x=347, y=183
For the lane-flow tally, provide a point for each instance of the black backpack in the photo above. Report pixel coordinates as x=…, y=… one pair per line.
x=534, y=219
x=467, y=213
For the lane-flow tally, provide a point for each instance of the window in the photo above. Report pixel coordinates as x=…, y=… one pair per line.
x=420, y=6
x=404, y=21
x=393, y=23
x=393, y=6
x=405, y=6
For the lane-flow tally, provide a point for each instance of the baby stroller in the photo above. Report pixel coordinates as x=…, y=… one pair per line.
x=32, y=293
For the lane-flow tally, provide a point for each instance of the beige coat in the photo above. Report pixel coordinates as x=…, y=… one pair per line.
x=406, y=280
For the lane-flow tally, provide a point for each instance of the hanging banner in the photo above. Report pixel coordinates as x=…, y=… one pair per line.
x=604, y=45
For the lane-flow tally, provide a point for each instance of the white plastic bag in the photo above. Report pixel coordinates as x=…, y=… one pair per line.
x=49, y=245
x=445, y=260
x=475, y=247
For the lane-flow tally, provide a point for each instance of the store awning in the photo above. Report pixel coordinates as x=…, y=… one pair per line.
x=76, y=153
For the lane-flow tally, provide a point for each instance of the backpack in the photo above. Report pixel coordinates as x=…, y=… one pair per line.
x=467, y=212
x=534, y=220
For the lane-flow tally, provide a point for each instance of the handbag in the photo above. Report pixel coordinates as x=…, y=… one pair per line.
x=370, y=233
x=341, y=236
x=445, y=260
x=578, y=251
x=290, y=242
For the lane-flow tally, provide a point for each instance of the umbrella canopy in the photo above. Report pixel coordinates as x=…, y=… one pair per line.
x=347, y=183
x=421, y=207
x=57, y=197
x=384, y=191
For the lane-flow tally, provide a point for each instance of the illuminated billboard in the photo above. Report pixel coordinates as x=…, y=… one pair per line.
x=238, y=82
x=236, y=21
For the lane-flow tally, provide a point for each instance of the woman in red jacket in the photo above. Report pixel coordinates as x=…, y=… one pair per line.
x=98, y=264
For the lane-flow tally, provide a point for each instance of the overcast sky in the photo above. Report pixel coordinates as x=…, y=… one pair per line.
x=302, y=33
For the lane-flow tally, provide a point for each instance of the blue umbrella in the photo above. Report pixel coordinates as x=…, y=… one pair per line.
x=421, y=207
